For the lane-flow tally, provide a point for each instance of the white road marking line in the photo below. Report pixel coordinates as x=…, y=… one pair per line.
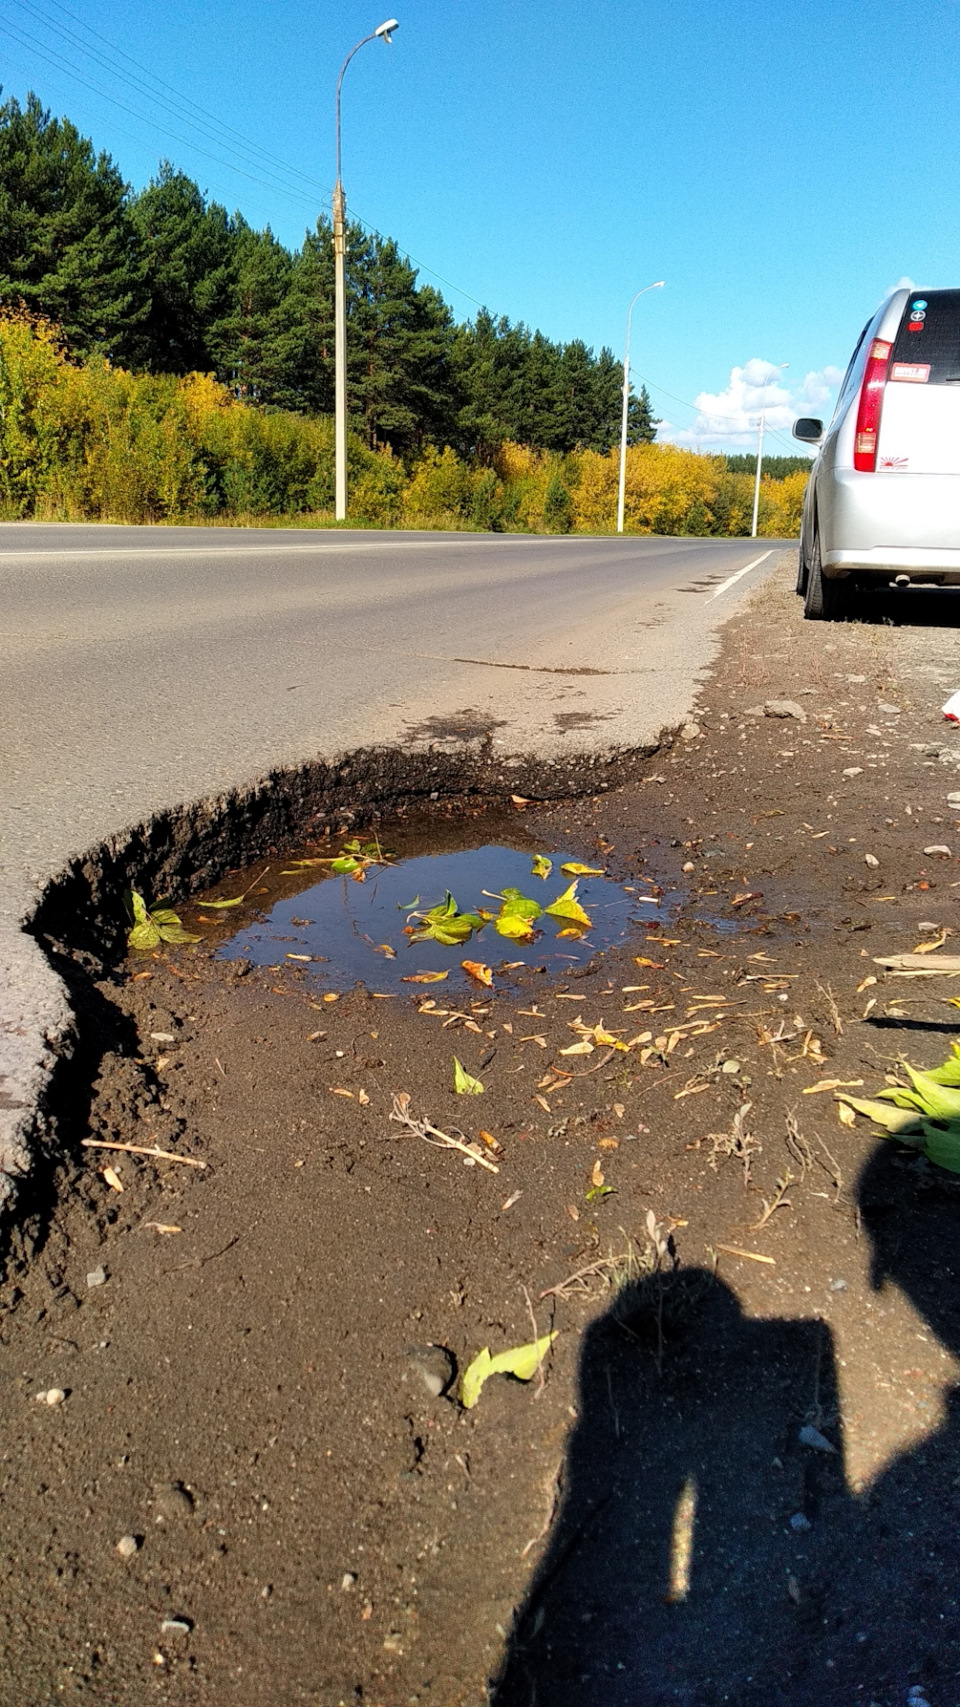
x=740, y=572
x=241, y=549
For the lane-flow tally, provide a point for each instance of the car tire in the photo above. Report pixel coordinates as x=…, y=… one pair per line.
x=801, y=586
x=824, y=600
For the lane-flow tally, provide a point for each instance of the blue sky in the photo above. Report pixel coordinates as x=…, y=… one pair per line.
x=781, y=167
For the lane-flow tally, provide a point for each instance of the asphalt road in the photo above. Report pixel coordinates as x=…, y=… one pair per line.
x=142, y=668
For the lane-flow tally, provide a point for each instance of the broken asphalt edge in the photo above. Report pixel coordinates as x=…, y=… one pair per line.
x=79, y=919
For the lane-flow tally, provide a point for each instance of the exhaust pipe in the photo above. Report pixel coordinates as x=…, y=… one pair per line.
x=901, y=581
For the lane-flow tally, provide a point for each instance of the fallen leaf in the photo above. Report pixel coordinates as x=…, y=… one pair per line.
x=363, y=1099
x=573, y=1212
x=584, y=1047
x=299, y=956
x=162, y=1227
x=542, y=866
x=608, y=1143
x=831, y=1085
x=424, y=977
x=463, y=1082
x=331, y=996
x=338, y=1092
x=566, y=906
x=477, y=970
x=519, y=801
x=491, y=1142
x=515, y=1198
x=748, y=895
x=641, y=960
x=596, y=1177
x=112, y=1178
x=846, y=1115
x=235, y=901
x=543, y=1104
x=573, y=868
x=521, y=1361
x=312, y=1038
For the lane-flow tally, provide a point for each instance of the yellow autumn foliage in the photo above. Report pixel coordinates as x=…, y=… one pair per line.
x=88, y=441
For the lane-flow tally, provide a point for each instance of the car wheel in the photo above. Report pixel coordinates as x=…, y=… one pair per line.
x=801, y=586
x=824, y=600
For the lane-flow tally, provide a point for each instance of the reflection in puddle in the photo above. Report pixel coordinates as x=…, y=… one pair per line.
x=339, y=931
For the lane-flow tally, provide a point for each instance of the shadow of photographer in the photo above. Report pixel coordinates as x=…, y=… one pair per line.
x=703, y=1553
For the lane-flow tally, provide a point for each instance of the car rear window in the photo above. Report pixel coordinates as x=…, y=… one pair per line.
x=929, y=337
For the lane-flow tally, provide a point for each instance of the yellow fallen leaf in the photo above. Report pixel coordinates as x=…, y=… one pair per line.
x=519, y=801
x=596, y=1177
x=573, y=868
x=641, y=960
x=543, y=1104
x=521, y=1361
x=331, y=996
x=928, y=947
x=584, y=1047
x=113, y=1179
x=337, y=1092
x=363, y=1099
x=831, y=1085
x=162, y=1227
x=424, y=978
x=464, y=1083
x=608, y=1144
x=477, y=970
x=846, y=1115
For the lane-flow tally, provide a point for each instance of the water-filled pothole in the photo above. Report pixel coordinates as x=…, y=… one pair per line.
x=376, y=924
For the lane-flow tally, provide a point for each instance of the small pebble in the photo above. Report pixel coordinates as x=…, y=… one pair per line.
x=938, y=848
x=730, y=1067
x=163, y=1037
x=97, y=1277
x=810, y=1436
x=853, y=770
x=841, y=1285
x=800, y=1523
x=891, y=710
x=348, y=1581
x=176, y=1627
x=689, y=866
x=52, y=1396
x=127, y=1546
x=871, y=859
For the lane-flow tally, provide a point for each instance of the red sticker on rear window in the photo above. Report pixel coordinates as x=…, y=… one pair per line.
x=914, y=325
x=917, y=373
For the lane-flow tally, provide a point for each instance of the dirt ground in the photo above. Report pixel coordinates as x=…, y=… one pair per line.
x=244, y=1347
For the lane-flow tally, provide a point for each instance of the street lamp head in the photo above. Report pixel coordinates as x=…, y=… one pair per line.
x=386, y=30
x=659, y=284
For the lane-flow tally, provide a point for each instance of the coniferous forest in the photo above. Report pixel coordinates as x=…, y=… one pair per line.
x=488, y=421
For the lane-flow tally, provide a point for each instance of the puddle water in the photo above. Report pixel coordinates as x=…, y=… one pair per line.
x=337, y=931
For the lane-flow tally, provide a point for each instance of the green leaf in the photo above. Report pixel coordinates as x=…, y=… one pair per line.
x=138, y=908
x=566, y=906
x=463, y=1083
x=949, y=1072
x=144, y=935
x=942, y=1145
x=164, y=916
x=940, y=1102
x=521, y=1361
x=209, y=906
x=347, y=864
x=896, y=1120
x=523, y=906
x=599, y=1191
x=176, y=933
x=542, y=866
x=573, y=868
x=448, y=931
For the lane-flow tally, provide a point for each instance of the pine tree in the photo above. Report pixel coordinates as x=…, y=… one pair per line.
x=642, y=423
x=187, y=249
x=67, y=245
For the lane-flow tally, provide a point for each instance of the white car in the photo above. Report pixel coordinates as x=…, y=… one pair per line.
x=883, y=503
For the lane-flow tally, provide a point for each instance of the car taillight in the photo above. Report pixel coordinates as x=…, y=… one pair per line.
x=871, y=403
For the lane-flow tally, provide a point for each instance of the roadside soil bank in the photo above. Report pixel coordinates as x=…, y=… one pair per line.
x=250, y=1399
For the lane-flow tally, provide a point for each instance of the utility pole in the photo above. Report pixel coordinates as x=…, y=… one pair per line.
x=340, y=295
x=756, y=487
x=621, y=494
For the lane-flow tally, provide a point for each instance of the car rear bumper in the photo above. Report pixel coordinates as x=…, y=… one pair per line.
x=890, y=523
x=884, y=563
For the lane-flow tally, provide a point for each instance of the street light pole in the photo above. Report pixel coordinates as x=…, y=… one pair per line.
x=621, y=495
x=756, y=484
x=340, y=295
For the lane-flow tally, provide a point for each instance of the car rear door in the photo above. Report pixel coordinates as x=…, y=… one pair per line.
x=920, y=419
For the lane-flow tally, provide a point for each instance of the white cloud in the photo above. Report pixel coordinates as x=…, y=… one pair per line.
x=727, y=419
x=903, y=283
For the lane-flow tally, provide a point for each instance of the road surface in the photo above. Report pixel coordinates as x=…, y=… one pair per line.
x=141, y=668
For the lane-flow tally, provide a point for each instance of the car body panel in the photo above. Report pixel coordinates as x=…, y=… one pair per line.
x=904, y=518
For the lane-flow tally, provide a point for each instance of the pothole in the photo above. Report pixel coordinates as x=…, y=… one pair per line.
x=416, y=902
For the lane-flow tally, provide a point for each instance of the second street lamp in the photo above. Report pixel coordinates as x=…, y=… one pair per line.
x=340, y=294
x=621, y=494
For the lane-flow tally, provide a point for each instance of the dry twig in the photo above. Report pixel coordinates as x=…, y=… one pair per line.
x=142, y=1150
x=440, y=1140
